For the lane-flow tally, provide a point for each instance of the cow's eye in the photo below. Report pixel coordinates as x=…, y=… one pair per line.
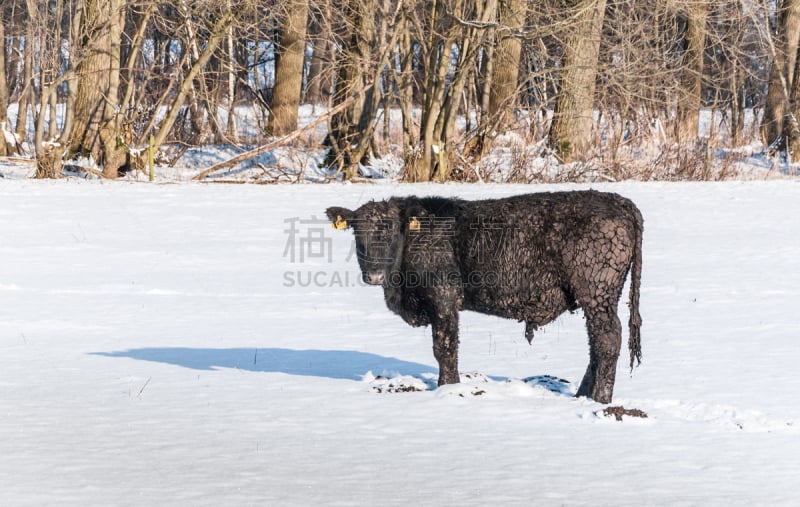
x=382, y=226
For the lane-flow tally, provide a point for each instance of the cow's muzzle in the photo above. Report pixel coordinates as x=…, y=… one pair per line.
x=373, y=277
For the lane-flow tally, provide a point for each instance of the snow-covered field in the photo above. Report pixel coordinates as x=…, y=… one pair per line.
x=186, y=344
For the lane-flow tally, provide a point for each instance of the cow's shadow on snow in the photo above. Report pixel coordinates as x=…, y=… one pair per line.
x=334, y=364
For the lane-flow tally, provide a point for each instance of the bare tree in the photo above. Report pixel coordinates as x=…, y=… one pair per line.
x=364, y=52
x=452, y=38
x=6, y=147
x=48, y=155
x=320, y=72
x=289, y=69
x=696, y=12
x=503, y=89
x=217, y=33
x=571, y=130
x=27, y=88
x=779, y=124
x=97, y=129
x=614, y=77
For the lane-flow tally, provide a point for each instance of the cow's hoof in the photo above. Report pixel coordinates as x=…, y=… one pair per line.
x=599, y=395
x=604, y=398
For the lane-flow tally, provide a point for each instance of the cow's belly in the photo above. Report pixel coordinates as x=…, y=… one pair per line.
x=532, y=303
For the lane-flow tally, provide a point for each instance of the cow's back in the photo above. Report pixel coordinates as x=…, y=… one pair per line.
x=530, y=257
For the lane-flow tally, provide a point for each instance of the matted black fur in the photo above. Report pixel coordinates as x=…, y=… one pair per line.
x=529, y=257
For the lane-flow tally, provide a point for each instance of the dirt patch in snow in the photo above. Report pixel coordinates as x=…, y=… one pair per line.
x=619, y=411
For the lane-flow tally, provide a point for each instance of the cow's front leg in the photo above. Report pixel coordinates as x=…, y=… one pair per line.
x=445, y=345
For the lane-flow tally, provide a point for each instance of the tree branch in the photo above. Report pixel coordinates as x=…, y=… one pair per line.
x=279, y=142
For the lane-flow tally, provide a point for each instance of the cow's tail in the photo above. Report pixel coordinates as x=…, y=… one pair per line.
x=635, y=321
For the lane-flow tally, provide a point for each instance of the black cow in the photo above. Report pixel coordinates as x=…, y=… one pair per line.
x=529, y=257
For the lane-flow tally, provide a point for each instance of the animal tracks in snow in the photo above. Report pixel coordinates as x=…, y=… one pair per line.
x=478, y=385
x=473, y=384
x=398, y=384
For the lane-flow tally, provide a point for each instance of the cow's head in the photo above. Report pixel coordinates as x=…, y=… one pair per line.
x=379, y=228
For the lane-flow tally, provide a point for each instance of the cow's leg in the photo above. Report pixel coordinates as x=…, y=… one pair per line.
x=445, y=345
x=605, y=337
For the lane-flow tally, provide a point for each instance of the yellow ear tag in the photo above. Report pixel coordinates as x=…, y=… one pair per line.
x=340, y=223
x=413, y=224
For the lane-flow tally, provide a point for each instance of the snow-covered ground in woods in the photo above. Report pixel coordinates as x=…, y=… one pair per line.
x=186, y=344
x=302, y=159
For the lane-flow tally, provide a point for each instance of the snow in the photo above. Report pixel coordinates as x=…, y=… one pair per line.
x=160, y=347
x=8, y=137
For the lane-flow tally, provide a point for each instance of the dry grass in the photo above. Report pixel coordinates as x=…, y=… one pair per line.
x=525, y=158
x=650, y=153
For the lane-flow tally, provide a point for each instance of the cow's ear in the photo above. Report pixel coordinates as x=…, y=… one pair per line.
x=415, y=217
x=341, y=218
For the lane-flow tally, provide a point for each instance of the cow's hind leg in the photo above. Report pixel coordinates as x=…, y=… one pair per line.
x=605, y=337
x=445, y=346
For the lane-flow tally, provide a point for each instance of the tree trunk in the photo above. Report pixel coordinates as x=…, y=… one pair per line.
x=736, y=80
x=503, y=89
x=72, y=83
x=96, y=130
x=319, y=79
x=230, y=131
x=689, y=106
x=6, y=147
x=476, y=36
x=774, y=106
x=348, y=128
x=128, y=72
x=289, y=70
x=791, y=129
x=571, y=130
x=439, y=49
x=452, y=49
x=781, y=75
x=54, y=71
x=405, y=90
x=26, y=96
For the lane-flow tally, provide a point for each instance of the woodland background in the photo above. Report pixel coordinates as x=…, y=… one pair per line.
x=621, y=85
